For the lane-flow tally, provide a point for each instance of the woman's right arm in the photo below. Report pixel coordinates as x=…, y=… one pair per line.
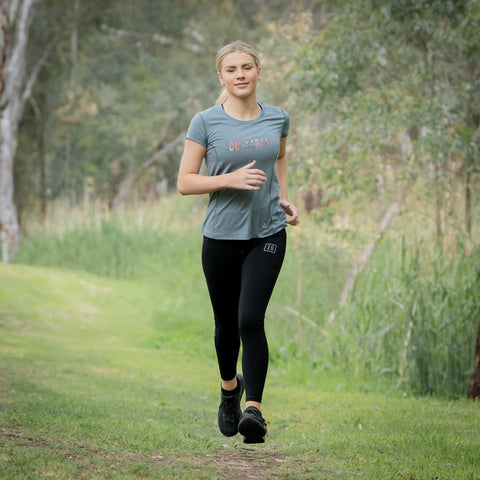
x=190, y=182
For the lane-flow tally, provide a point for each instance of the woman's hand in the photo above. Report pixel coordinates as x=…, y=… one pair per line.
x=290, y=210
x=247, y=178
x=191, y=182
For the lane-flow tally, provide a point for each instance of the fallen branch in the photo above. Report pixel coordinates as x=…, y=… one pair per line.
x=128, y=182
x=390, y=214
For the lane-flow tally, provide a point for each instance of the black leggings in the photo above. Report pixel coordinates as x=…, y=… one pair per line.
x=241, y=275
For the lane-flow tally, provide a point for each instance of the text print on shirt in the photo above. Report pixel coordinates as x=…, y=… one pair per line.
x=254, y=143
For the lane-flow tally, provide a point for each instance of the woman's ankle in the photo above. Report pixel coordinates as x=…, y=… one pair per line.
x=229, y=385
x=257, y=405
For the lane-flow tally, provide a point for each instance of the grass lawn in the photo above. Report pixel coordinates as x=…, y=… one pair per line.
x=103, y=379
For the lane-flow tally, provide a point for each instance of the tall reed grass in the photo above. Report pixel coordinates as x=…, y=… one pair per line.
x=409, y=324
x=140, y=242
x=412, y=319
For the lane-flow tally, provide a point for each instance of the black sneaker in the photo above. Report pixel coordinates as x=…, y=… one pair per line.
x=252, y=426
x=229, y=412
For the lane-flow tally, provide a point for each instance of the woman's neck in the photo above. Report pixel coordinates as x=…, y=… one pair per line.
x=242, y=109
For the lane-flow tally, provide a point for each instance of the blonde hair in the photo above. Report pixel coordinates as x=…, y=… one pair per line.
x=236, y=46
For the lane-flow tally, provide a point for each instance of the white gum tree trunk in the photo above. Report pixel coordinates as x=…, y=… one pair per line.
x=16, y=17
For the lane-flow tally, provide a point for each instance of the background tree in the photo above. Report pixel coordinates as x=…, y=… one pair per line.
x=395, y=83
x=16, y=18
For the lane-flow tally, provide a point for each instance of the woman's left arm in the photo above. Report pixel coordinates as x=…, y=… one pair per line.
x=282, y=175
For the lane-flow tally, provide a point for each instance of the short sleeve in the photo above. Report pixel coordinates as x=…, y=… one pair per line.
x=197, y=130
x=286, y=124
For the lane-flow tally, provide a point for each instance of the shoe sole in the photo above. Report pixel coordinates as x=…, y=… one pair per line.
x=252, y=431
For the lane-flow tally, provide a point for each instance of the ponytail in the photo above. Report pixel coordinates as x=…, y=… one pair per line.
x=222, y=97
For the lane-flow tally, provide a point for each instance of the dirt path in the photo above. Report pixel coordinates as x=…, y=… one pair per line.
x=234, y=463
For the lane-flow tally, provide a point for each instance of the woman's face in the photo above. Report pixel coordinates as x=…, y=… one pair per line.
x=239, y=74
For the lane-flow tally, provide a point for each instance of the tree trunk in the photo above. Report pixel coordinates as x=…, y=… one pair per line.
x=3, y=174
x=12, y=101
x=474, y=387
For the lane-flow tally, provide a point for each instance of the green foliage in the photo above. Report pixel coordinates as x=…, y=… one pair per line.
x=380, y=93
x=409, y=324
x=379, y=68
x=383, y=100
x=125, y=78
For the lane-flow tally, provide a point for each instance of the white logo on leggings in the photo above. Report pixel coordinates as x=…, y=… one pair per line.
x=270, y=248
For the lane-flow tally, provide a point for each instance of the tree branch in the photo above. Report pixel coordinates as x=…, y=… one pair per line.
x=34, y=74
x=13, y=11
x=15, y=64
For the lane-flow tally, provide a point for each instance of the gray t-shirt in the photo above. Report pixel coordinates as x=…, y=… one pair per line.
x=231, y=144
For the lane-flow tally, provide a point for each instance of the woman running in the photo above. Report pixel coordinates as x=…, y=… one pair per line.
x=243, y=142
